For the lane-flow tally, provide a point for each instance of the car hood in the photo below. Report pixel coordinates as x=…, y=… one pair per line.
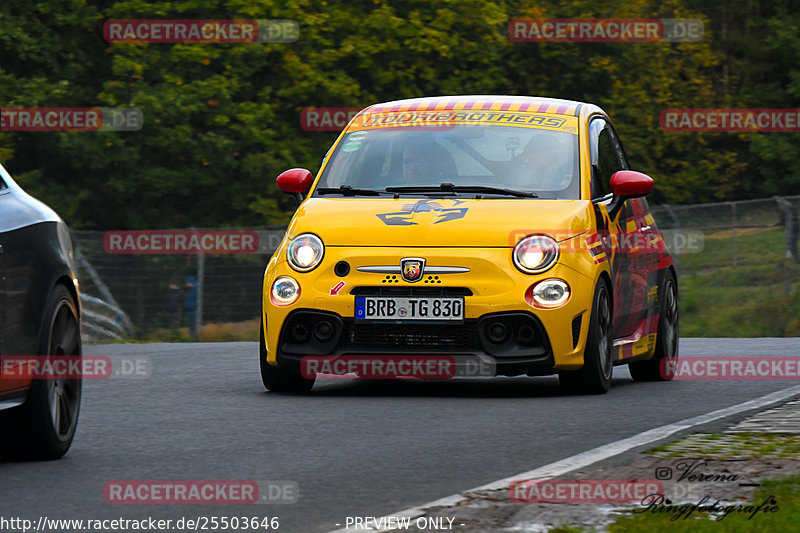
x=437, y=222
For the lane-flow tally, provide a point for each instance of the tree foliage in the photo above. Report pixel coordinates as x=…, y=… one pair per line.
x=222, y=120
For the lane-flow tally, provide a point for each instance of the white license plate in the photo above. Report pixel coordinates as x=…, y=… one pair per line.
x=397, y=308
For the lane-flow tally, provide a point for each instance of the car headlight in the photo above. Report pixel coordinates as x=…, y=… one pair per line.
x=535, y=254
x=305, y=252
x=551, y=292
x=285, y=291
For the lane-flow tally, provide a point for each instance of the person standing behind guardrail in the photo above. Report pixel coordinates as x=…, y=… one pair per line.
x=191, y=306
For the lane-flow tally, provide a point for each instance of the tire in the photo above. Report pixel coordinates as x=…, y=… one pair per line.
x=44, y=426
x=595, y=376
x=281, y=379
x=666, y=338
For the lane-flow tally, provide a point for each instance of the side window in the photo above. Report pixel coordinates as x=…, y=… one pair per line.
x=607, y=156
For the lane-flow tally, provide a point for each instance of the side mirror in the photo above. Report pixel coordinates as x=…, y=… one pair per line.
x=295, y=182
x=628, y=184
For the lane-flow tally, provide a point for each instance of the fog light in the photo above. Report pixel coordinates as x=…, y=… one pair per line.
x=497, y=332
x=526, y=335
x=548, y=293
x=323, y=331
x=299, y=333
x=285, y=291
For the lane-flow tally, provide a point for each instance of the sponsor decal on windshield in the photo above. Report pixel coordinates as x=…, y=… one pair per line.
x=449, y=119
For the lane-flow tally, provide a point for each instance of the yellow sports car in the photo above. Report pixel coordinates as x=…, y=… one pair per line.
x=507, y=229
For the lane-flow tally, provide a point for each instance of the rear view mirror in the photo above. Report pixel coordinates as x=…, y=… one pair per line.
x=295, y=182
x=631, y=184
x=627, y=184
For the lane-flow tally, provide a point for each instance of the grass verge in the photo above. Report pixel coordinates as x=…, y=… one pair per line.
x=781, y=497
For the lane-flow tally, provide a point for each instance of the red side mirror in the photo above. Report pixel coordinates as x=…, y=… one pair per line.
x=295, y=181
x=631, y=184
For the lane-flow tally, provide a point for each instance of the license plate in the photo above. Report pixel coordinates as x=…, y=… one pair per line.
x=394, y=308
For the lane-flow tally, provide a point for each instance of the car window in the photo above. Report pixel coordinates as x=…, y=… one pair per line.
x=607, y=156
x=529, y=159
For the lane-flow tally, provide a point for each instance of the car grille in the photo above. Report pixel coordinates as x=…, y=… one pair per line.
x=411, y=291
x=411, y=337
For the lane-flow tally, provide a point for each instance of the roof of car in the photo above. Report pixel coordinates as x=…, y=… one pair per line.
x=481, y=102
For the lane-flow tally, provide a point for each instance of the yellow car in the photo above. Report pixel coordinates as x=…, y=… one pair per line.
x=508, y=229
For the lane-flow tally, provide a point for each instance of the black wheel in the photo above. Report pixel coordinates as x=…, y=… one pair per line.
x=44, y=426
x=595, y=376
x=281, y=379
x=666, y=352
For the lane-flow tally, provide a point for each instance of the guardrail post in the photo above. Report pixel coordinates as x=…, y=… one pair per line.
x=734, y=222
x=790, y=223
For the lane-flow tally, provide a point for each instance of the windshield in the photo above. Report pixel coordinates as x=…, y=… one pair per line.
x=521, y=158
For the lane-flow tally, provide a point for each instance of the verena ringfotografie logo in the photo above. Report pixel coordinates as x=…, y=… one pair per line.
x=326, y=118
x=394, y=366
x=714, y=507
x=739, y=120
x=201, y=31
x=622, y=30
x=711, y=368
x=181, y=242
x=201, y=492
x=583, y=490
x=25, y=367
x=71, y=119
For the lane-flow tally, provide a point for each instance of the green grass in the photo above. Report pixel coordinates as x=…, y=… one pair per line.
x=751, y=302
x=751, y=249
x=744, y=445
x=718, y=299
x=785, y=491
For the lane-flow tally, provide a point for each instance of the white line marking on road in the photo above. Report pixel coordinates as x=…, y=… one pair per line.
x=584, y=459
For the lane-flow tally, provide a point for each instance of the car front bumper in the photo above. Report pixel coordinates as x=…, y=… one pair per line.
x=539, y=341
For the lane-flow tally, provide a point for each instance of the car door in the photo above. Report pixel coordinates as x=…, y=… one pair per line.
x=11, y=386
x=4, y=224
x=22, y=235
x=629, y=283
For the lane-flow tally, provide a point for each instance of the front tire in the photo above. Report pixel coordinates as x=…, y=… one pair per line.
x=598, y=367
x=281, y=379
x=44, y=426
x=666, y=352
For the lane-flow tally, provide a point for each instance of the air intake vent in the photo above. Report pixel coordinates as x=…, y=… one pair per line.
x=411, y=291
x=576, y=330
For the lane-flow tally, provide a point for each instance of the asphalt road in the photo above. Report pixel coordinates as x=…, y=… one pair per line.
x=363, y=448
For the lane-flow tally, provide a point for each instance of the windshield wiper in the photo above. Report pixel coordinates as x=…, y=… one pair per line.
x=449, y=187
x=348, y=190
